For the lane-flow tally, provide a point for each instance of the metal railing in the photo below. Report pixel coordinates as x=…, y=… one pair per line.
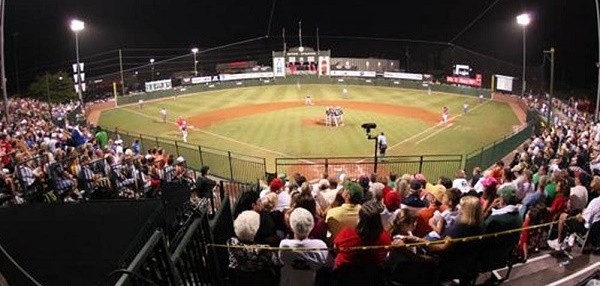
x=432, y=166
x=223, y=164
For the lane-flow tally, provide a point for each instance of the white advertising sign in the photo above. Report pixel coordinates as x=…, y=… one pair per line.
x=279, y=67
x=403, y=75
x=352, y=73
x=164, y=84
x=238, y=76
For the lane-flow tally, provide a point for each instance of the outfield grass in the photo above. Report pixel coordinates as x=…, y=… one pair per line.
x=282, y=133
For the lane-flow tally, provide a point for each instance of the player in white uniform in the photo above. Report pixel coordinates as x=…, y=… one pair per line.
x=308, y=100
x=382, y=145
x=141, y=103
x=345, y=92
x=163, y=114
x=465, y=107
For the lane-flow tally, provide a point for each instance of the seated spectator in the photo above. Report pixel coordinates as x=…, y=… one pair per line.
x=586, y=220
x=266, y=233
x=441, y=221
x=368, y=232
x=204, y=184
x=347, y=214
x=248, y=263
x=460, y=182
x=416, y=197
x=490, y=192
x=407, y=265
x=532, y=240
x=459, y=259
x=300, y=266
x=435, y=195
x=504, y=216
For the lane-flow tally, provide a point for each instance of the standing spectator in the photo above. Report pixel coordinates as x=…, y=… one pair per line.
x=204, y=184
x=300, y=266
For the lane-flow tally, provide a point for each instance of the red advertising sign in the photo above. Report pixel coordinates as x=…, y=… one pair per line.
x=465, y=80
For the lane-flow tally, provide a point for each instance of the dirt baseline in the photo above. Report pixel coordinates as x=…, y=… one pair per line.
x=207, y=119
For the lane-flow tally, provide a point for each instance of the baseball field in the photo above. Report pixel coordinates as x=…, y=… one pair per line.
x=273, y=121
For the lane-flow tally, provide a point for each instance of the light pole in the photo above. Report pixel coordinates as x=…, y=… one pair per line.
x=151, y=69
x=523, y=20
x=76, y=27
x=551, y=52
x=195, y=51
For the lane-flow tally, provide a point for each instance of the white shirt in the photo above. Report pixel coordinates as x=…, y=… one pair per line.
x=283, y=201
x=300, y=267
x=461, y=184
x=591, y=213
x=381, y=140
x=163, y=112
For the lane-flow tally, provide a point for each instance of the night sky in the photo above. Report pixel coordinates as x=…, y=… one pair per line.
x=38, y=36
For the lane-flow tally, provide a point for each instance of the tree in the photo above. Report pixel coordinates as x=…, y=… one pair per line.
x=54, y=87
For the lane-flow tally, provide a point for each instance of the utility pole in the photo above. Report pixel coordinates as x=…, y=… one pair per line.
x=551, y=52
x=121, y=69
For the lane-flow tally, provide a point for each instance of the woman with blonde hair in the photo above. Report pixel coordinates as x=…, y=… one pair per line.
x=459, y=259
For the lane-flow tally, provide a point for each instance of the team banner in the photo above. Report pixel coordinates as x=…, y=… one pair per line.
x=165, y=84
x=403, y=75
x=465, y=80
x=352, y=73
x=279, y=67
x=323, y=65
x=238, y=76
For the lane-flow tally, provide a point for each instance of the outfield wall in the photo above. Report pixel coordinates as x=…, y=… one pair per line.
x=292, y=80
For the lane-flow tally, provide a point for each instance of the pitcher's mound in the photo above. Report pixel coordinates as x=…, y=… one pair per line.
x=314, y=121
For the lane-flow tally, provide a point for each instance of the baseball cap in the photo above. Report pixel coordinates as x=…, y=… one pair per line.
x=392, y=201
x=437, y=191
x=276, y=184
x=324, y=182
x=507, y=192
x=355, y=191
x=415, y=184
x=489, y=182
x=363, y=181
x=180, y=159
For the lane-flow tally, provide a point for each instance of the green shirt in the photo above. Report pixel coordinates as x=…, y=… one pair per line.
x=550, y=191
x=101, y=138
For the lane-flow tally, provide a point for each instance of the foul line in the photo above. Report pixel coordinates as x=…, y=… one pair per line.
x=217, y=135
x=433, y=127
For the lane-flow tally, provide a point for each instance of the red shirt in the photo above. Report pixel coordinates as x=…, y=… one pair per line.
x=348, y=237
x=422, y=228
x=524, y=237
x=5, y=148
x=559, y=205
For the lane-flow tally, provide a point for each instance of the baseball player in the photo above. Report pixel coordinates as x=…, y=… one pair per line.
x=445, y=114
x=163, y=114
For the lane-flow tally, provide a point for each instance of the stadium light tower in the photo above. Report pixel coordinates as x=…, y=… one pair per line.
x=78, y=26
x=151, y=69
x=523, y=20
x=195, y=52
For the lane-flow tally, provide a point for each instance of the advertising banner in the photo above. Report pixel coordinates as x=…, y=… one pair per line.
x=279, y=67
x=465, y=80
x=164, y=84
x=323, y=65
x=403, y=75
x=238, y=76
x=352, y=73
